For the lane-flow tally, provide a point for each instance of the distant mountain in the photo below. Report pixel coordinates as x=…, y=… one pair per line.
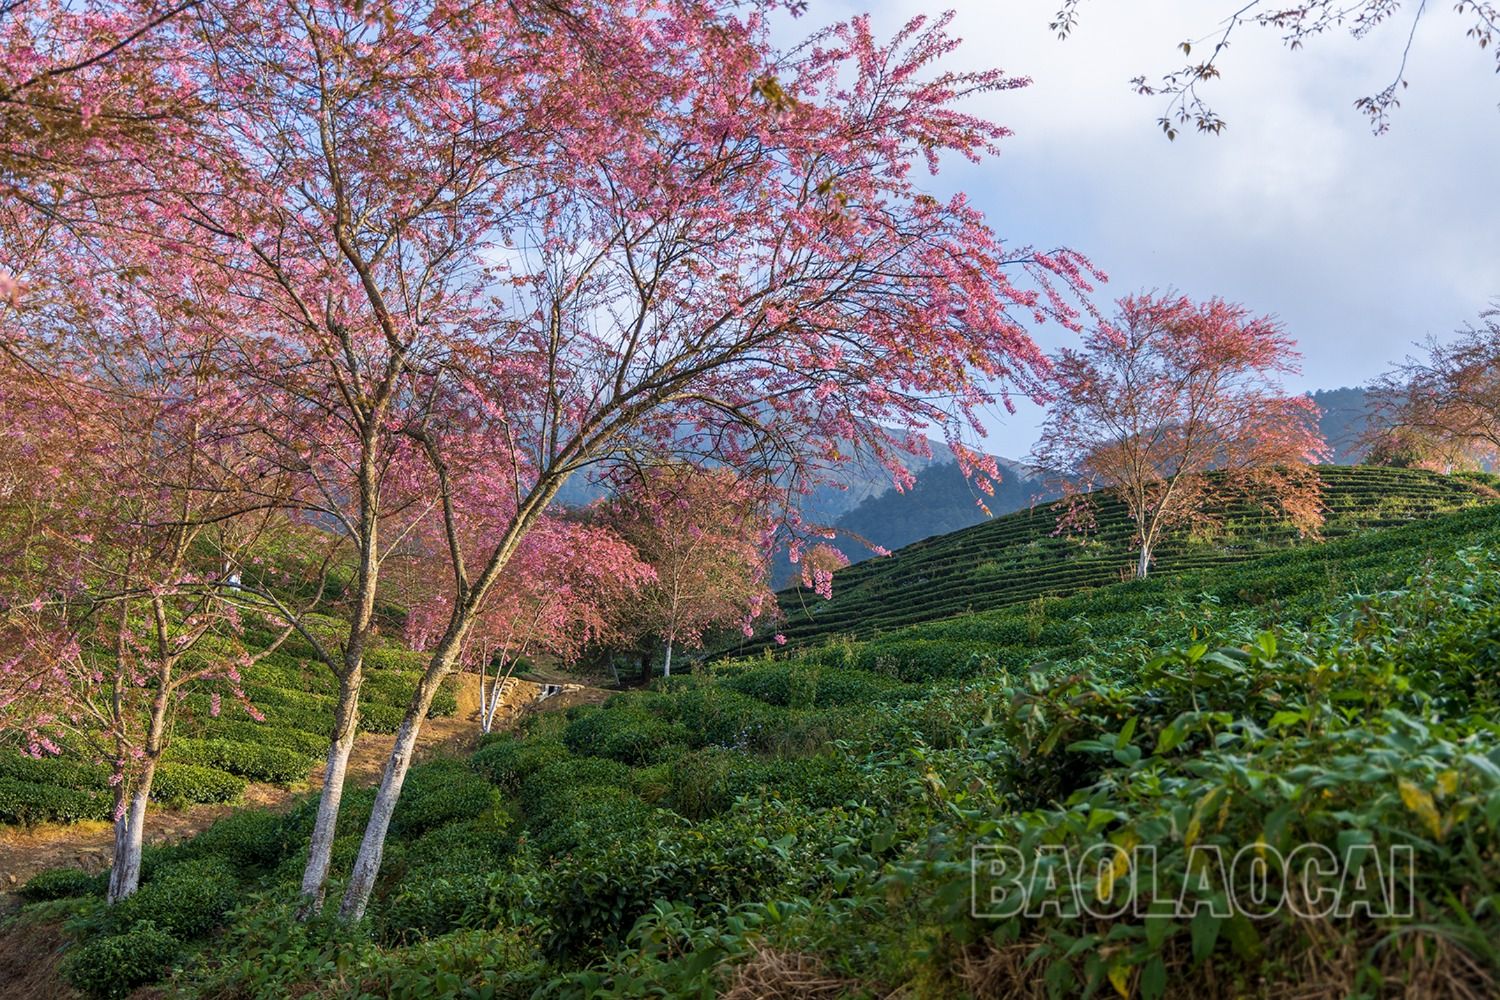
x=942, y=500
x=1346, y=414
x=854, y=483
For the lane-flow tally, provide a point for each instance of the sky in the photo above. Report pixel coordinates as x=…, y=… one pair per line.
x=1360, y=245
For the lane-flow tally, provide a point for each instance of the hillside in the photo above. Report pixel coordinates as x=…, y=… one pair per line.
x=701, y=838
x=214, y=754
x=1018, y=557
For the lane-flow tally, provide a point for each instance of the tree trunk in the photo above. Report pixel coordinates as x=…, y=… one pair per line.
x=372, y=847
x=488, y=721
x=130, y=829
x=666, y=668
x=645, y=669
x=320, y=849
x=1143, y=565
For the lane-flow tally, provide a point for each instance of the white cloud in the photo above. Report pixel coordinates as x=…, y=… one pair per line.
x=1360, y=244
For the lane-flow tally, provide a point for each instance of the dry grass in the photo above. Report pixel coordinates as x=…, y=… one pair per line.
x=30, y=953
x=1313, y=959
x=781, y=975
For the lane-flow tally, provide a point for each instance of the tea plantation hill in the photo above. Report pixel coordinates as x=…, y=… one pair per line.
x=1019, y=557
x=214, y=755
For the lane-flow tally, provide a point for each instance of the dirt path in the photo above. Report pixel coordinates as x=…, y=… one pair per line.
x=90, y=845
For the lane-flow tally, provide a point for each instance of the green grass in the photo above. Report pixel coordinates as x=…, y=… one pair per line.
x=1019, y=557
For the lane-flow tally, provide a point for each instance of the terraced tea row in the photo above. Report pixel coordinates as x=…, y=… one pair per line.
x=1022, y=556
x=218, y=749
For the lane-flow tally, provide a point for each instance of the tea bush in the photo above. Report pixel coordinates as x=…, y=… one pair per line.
x=61, y=883
x=112, y=967
x=186, y=899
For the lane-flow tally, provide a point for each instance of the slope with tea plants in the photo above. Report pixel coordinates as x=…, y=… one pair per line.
x=1022, y=556
x=803, y=825
x=217, y=749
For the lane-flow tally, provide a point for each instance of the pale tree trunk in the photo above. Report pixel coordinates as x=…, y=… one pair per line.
x=320, y=849
x=1143, y=564
x=372, y=847
x=351, y=678
x=496, y=695
x=130, y=829
x=666, y=669
x=130, y=824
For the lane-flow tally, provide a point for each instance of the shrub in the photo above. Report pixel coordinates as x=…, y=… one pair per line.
x=114, y=966
x=596, y=895
x=918, y=660
x=195, y=783
x=65, y=772
x=562, y=779
x=588, y=818
x=25, y=803
x=313, y=744
x=439, y=793
x=625, y=733
x=706, y=782
x=248, y=760
x=482, y=840
x=497, y=964
x=715, y=715
x=434, y=900
x=507, y=761
x=186, y=900
x=61, y=883
x=250, y=838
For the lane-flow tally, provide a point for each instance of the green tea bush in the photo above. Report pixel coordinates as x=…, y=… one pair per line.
x=433, y=900
x=596, y=896
x=587, y=818
x=26, y=803
x=918, y=660
x=195, y=783
x=250, y=839
x=714, y=715
x=804, y=685
x=65, y=772
x=494, y=964
x=112, y=967
x=440, y=792
x=626, y=733
x=313, y=745
x=559, y=780
x=61, y=883
x=486, y=838
x=248, y=760
x=507, y=760
x=186, y=900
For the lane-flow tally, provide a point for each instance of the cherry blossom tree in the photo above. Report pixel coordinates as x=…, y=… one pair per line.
x=1441, y=409
x=564, y=237
x=113, y=591
x=704, y=533
x=84, y=85
x=571, y=585
x=752, y=277
x=1167, y=393
x=1298, y=22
